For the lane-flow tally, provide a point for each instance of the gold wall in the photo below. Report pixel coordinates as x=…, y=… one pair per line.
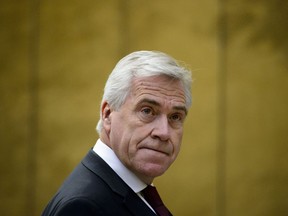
x=56, y=55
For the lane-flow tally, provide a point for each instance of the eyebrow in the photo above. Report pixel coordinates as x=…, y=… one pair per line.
x=155, y=103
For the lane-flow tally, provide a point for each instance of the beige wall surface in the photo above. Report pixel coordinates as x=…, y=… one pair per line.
x=56, y=55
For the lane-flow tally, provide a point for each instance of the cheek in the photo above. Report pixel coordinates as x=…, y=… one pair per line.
x=116, y=133
x=176, y=150
x=121, y=138
x=177, y=140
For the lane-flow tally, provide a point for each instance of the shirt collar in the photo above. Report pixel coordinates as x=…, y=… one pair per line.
x=108, y=155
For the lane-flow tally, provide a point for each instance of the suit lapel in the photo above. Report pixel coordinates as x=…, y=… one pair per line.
x=130, y=199
x=136, y=205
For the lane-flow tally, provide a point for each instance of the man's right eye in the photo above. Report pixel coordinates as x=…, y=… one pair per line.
x=147, y=111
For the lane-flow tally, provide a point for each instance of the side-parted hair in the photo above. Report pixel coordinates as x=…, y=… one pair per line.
x=142, y=64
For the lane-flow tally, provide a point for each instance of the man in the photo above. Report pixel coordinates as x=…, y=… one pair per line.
x=145, y=102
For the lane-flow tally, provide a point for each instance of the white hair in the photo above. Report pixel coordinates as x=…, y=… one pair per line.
x=142, y=64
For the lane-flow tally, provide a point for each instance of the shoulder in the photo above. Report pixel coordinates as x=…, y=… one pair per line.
x=91, y=187
x=76, y=206
x=80, y=199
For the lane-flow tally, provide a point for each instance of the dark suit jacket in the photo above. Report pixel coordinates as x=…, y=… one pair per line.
x=93, y=188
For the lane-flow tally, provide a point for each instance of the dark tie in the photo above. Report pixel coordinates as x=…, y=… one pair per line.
x=152, y=197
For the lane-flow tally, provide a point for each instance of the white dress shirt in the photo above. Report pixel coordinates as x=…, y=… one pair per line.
x=108, y=155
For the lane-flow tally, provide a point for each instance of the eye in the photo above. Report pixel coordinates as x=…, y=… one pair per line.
x=176, y=117
x=147, y=111
x=147, y=114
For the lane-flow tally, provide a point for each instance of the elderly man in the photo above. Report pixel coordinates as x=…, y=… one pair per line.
x=145, y=102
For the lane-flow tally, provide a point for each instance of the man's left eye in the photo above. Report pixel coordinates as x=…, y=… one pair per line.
x=176, y=117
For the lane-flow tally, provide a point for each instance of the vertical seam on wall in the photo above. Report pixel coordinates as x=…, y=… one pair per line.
x=124, y=27
x=221, y=168
x=33, y=108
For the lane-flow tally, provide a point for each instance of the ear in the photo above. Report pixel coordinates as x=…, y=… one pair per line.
x=106, y=116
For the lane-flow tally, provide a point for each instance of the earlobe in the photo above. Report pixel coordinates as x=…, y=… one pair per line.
x=106, y=114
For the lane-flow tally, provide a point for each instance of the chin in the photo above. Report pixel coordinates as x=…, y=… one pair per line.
x=154, y=170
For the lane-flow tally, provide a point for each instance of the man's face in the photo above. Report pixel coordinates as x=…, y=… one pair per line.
x=146, y=132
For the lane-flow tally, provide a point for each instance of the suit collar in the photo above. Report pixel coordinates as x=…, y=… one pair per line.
x=133, y=202
x=98, y=166
x=109, y=156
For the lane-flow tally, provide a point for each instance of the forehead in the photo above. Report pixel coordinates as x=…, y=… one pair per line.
x=160, y=88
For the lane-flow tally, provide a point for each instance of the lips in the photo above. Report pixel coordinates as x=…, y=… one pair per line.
x=155, y=150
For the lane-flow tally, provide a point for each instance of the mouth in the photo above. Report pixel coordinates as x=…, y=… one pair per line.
x=155, y=150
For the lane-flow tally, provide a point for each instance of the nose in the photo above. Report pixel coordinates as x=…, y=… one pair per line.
x=161, y=129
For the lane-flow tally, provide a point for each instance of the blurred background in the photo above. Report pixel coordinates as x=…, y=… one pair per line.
x=55, y=57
